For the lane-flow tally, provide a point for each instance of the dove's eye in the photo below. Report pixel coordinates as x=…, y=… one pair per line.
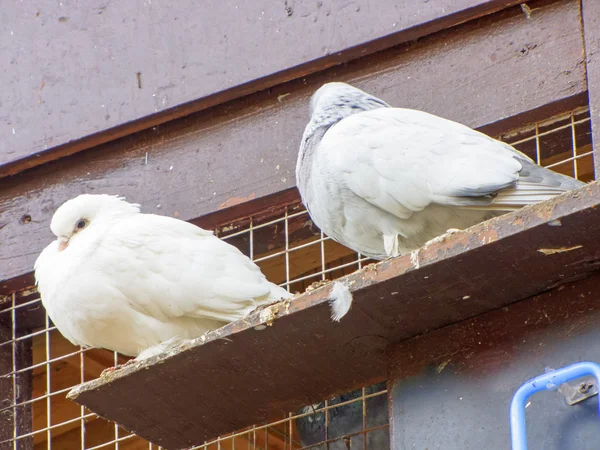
x=81, y=224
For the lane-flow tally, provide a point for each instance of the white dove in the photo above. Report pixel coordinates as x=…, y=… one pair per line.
x=384, y=181
x=118, y=279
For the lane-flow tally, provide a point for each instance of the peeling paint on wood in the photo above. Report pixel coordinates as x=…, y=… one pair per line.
x=554, y=251
x=236, y=201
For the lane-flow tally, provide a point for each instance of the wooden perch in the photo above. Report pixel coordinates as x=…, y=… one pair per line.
x=237, y=376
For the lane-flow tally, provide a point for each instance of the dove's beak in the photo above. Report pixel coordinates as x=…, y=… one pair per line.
x=62, y=243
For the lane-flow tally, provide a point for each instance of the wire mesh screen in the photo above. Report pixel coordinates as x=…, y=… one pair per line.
x=38, y=366
x=562, y=143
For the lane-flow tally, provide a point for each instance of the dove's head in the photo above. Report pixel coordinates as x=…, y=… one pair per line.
x=331, y=103
x=75, y=216
x=334, y=101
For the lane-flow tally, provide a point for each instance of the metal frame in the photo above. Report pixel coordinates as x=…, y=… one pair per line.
x=549, y=381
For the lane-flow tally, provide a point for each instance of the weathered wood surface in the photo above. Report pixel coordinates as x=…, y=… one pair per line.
x=590, y=11
x=79, y=74
x=481, y=73
x=460, y=379
x=241, y=376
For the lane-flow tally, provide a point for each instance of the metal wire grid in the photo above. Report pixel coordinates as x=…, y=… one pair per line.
x=562, y=143
x=38, y=366
x=298, y=254
x=322, y=428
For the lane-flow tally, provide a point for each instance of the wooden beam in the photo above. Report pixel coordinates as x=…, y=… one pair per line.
x=471, y=370
x=237, y=376
x=590, y=11
x=237, y=158
x=132, y=65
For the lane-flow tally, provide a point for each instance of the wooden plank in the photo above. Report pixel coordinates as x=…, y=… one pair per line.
x=590, y=11
x=471, y=370
x=126, y=66
x=240, y=376
x=195, y=166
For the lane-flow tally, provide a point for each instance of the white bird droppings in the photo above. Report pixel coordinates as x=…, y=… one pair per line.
x=414, y=258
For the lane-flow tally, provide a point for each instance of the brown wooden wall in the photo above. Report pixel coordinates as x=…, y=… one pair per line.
x=95, y=71
x=209, y=129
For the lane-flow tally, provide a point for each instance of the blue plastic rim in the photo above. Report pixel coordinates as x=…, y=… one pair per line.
x=548, y=381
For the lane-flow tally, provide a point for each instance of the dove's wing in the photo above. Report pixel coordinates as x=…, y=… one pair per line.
x=170, y=268
x=403, y=160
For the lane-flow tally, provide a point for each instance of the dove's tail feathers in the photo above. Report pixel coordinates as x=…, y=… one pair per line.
x=523, y=195
x=535, y=184
x=534, y=174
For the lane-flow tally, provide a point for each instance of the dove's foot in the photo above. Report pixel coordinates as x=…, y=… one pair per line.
x=441, y=237
x=110, y=370
x=264, y=306
x=317, y=284
x=451, y=231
